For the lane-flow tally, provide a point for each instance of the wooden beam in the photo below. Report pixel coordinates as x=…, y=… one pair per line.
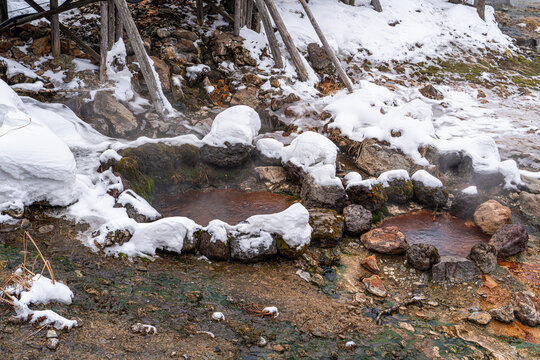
x=270, y=35
x=104, y=40
x=200, y=12
x=237, y=16
x=111, y=13
x=3, y=10
x=287, y=39
x=481, y=8
x=142, y=57
x=220, y=11
x=343, y=76
x=376, y=5
x=55, y=30
x=249, y=14
x=119, y=27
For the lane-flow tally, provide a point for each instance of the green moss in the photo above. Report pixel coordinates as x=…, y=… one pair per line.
x=140, y=183
x=285, y=250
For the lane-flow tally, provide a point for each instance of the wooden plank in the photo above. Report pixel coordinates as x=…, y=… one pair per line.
x=287, y=39
x=119, y=28
x=200, y=13
x=249, y=13
x=481, y=8
x=376, y=5
x=237, y=16
x=111, y=13
x=343, y=76
x=142, y=57
x=220, y=11
x=55, y=30
x=270, y=35
x=104, y=40
x=3, y=10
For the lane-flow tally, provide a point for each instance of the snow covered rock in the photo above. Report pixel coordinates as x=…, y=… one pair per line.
x=357, y=219
x=491, y=216
x=465, y=203
x=215, y=241
x=368, y=193
x=327, y=226
x=313, y=194
x=397, y=186
x=429, y=190
x=376, y=158
x=253, y=247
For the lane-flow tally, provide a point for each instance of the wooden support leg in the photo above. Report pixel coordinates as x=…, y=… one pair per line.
x=200, y=13
x=481, y=8
x=287, y=39
x=111, y=26
x=249, y=13
x=3, y=10
x=55, y=31
x=142, y=57
x=104, y=40
x=269, y=30
x=327, y=47
x=376, y=5
x=119, y=28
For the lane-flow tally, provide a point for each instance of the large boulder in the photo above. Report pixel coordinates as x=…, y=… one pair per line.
x=455, y=269
x=465, y=203
x=357, y=219
x=525, y=310
x=422, y=256
x=368, y=193
x=327, y=226
x=510, y=239
x=385, y=240
x=119, y=118
x=252, y=247
x=214, y=248
x=315, y=195
x=491, y=216
x=232, y=155
x=484, y=256
x=429, y=190
x=375, y=158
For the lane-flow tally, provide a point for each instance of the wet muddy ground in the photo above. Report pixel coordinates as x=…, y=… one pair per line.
x=178, y=295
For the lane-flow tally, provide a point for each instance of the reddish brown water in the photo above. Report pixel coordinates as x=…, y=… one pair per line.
x=450, y=235
x=229, y=205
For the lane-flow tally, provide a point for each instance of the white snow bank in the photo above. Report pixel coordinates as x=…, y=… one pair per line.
x=387, y=176
x=427, y=179
x=235, y=125
x=270, y=148
x=14, y=68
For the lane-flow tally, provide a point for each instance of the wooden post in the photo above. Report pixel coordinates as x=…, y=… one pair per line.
x=237, y=16
x=55, y=31
x=3, y=10
x=270, y=35
x=376, y=5
x=220, y=11
x=295, y=55
x=200, y=13
x=111, y=25
x=249, y=13
x=119, y=28
x=327, y=47
x=481, y=8
x=104, y=40
x=142, y=57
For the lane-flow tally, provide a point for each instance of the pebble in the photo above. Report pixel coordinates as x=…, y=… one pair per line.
x=480, y=317
x=51, y=334
x=262, y=342
x=45, y=229
x=304, y=275
x=52, y=343
x=25, y=224
x=406, y=326
x=279, y=348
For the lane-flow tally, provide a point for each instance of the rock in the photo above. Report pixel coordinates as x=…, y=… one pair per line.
x=374, y=285
x=185, y=34
x=252, y=79
x=41, y=46
x=318, y=58
x=510, y=239
x=491, y=216
x=327, y=226
x=304, y=275
x=318, y=280
x=250, y=248
x=314, y=195
x=406, y=326
x=429, y=91
x=51, y=334
x=163, y=71
x=191, y=245
x=385, y=240
x=163, y=33
x=369, y=194
x=232, y=155
x=286, y=251
x=422, y=256
x=370, y=263
x=480, y=317
x=525, y=310
x=63, y=61
x=357, y=219
x=271, y=174
x=399, y=191
x=214, y=249
x=116, y=237
x=45, y=229
x=431, y=196
x=455, y=163
x=504, y=314
x=484, y=256
x=25, y=224
x=529, y=204
x=455, y=269
x=464, y=205
x=52, y=343
x=376, y=158
x=487, y=179
x=246, y=96
x=120, y=119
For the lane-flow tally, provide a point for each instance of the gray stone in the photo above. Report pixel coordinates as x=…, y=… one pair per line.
x=327, y=227
x=357, y=219
x=375, y=158
x=120, y=119
x=271, y=174
x=504, y=314
x=52, y=343
x=431, y=92
x=464, y=205
x=525, y=310
x=232, y=155
x=529, y=204
x=250, y=248
x=318, y=58
x=314, y=195
x=511, y=239
x=434, y=197
x=214, y=249
x=455, y=269
x=422, y=256
x=372, y=196
x=484, y=256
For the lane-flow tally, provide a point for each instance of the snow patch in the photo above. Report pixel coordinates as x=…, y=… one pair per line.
x=427, y=179
x=235, y=125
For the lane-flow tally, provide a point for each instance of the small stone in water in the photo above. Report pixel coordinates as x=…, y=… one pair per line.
x=52, y=343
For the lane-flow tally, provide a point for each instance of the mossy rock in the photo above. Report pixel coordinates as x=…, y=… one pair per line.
x=191, y=245
x=286, y=251
x=372, y=198
x=399, y=191
x=434, y=197
x=214, y=250
x=328, y=227
x=133, y=178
